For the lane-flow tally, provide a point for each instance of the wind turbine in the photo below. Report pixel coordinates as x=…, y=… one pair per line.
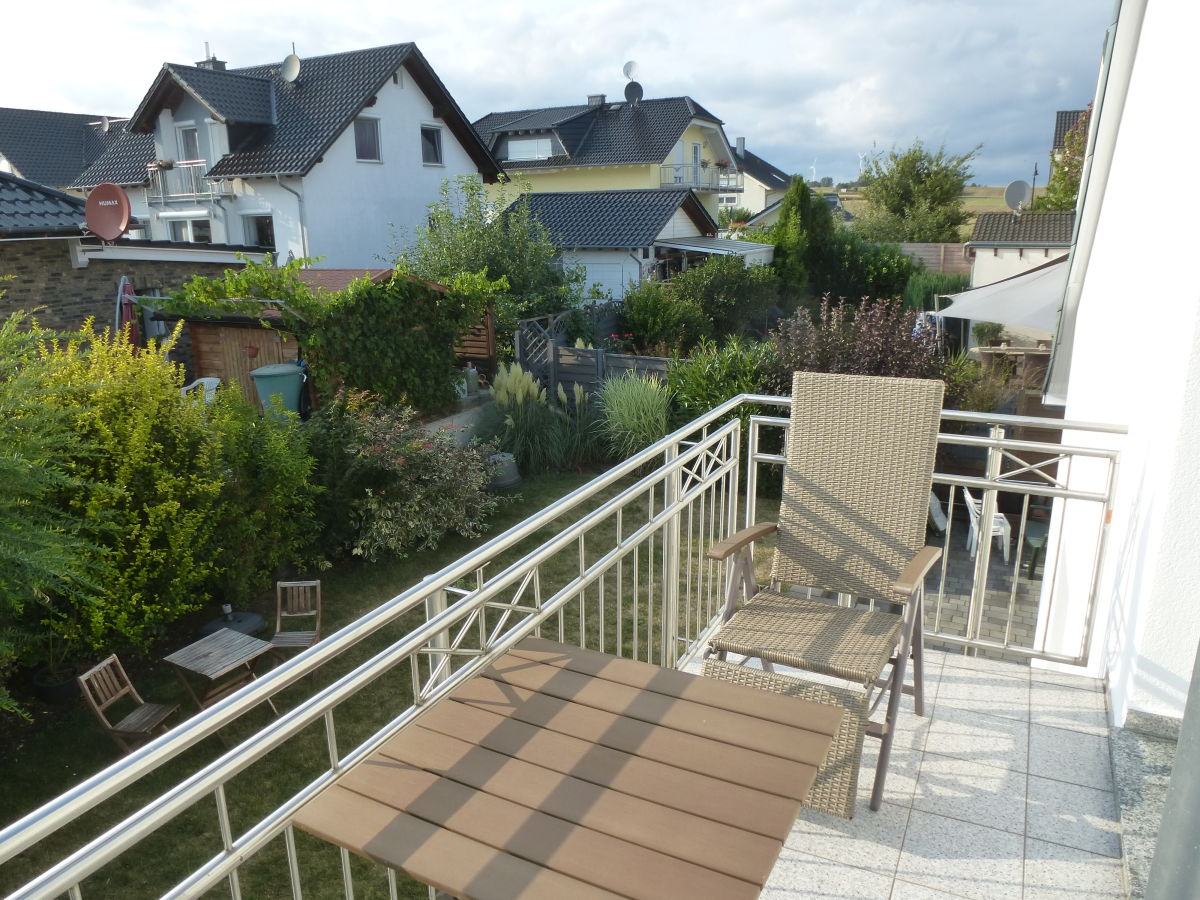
x=814, y=169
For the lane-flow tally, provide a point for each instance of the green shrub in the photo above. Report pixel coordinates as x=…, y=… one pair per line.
x=390, y=487
x=734, y=296
x=42, y=550
x=987, y=333
x=878, y=337
x=924, y=286
x=152, y=479
x=661, y=321
x=710, y=376
x=634, y=412
x=267, y=512
x=854, y=268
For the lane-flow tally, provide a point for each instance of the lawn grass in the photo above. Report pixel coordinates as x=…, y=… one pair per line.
x=67, y=746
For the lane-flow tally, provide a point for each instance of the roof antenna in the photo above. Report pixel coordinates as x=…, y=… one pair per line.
x=633, y=90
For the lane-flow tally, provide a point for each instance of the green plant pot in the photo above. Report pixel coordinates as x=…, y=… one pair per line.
x=55, y=686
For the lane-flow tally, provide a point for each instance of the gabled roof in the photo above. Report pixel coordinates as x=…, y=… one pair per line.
x=339, y=279
x=762, y=171
x=28, y=209
x=282, y=128
x=52, y=147
x=610, y=134
x=228, y=96
x=1064, y=121
x=1049, y=228
x=614, y=219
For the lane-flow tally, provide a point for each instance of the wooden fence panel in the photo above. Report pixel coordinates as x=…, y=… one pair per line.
x=951, y=259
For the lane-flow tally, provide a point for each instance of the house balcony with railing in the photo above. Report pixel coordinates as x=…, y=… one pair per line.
x=703, y=178
x=1002, y=790
x=184, y=180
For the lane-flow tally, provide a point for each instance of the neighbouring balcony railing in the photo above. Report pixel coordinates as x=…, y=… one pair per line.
x=701, y=178
x=184, y=180
x=628, y=575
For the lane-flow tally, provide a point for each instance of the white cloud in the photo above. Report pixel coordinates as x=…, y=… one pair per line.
x=823, y=78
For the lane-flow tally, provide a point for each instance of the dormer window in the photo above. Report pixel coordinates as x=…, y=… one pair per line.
x=366, y=139
x=530, y=148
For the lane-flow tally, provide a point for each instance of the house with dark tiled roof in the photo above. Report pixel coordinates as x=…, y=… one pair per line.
x=762, y=183
x=1064, y=121
x=666, y=143
x=624, y=236
x=53, y=148
x=338, y=161
x=1004, y=244
x=67, y=274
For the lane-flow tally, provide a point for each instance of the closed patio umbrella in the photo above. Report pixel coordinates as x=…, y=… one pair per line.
x=1029, y=300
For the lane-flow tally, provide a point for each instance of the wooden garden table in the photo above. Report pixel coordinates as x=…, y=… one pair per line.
x=214, y=657
x=561, y=772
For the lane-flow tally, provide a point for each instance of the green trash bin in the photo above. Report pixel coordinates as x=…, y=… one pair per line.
x=284, y=379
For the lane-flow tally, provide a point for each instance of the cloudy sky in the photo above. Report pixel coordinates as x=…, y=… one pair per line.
x=802, y=80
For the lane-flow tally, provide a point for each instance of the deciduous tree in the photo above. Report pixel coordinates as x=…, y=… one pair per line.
x=915, y=195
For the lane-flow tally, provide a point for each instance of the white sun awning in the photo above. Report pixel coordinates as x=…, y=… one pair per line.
x=756, y=253
x=1029, y=300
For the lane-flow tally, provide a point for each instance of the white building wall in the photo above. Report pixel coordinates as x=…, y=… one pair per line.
x=361, y=213
x=992, y=265
x=681, y=225
x=612, y=270
x=1138, y=363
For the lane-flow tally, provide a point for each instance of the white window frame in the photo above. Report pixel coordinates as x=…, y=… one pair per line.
x=538, y=142
x=248, y=229
x=378, y=139
x=187, y=226
x=180, y=129
x=441, y=147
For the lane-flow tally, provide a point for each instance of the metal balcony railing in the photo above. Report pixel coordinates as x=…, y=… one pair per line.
x=184, y=180
x=702, y=178
x=627, y=576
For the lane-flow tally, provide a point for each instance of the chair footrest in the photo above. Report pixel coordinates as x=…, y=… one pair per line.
x=836, y=785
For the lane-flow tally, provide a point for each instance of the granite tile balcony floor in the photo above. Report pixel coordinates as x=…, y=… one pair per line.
x=1005, y=790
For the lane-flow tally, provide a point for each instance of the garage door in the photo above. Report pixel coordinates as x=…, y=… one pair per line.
x=610, y=277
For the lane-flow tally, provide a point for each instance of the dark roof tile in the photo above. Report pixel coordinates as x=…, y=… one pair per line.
x=283, y=128
x=123, y=163
x=1030, y=229
x=762, y=171
x=28, y=208
x=52, y=147
x=230, y=96
x=615, y=134
x=613, y=219
x=1064, y=121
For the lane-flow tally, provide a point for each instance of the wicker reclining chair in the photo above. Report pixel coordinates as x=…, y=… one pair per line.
x=859, y=465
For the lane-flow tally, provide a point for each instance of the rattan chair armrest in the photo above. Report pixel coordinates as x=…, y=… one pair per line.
x=914, y=573
x=732, y=544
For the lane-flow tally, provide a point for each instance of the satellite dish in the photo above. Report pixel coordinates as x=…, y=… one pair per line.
x=289, y=70
x=1017, y=195
x=630, y=69
x=633, y=92
x=107, y=211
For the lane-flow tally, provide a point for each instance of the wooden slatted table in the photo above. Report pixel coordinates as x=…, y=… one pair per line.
x=566, y=773
x=213, y=658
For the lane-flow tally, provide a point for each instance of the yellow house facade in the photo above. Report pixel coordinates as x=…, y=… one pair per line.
x=669, y=143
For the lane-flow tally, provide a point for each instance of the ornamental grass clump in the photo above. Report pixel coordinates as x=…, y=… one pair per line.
x=543, y=436
x=634, y=412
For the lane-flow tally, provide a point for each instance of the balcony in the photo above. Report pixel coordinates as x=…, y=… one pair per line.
x=1005, y=788
x=184, y=180
x=702, y=178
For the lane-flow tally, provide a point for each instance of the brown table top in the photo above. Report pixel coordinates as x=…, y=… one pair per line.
x=219, y=653
x=562, y=772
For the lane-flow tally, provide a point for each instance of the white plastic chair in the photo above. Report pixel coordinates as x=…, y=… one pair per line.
x=1000, y=527
x=209, y=385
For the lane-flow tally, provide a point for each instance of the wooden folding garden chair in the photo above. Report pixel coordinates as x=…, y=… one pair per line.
x=846, y=590
x=106, y=683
